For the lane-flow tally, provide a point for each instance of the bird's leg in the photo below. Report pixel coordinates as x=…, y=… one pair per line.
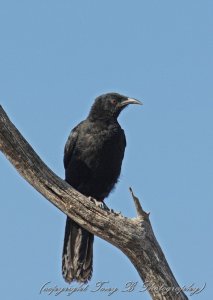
x=104, y=206
x=99, y=203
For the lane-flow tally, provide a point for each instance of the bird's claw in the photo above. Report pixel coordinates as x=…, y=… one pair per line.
x=103, y=206
x=100, y=204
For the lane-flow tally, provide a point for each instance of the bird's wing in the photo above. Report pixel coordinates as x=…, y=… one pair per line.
x=70, y=145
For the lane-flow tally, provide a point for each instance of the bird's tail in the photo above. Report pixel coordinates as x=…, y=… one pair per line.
x=77, y=255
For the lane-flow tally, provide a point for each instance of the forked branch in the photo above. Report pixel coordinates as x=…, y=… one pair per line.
x=134, y=237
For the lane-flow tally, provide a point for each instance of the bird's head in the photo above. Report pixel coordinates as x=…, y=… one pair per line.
x=109, y=106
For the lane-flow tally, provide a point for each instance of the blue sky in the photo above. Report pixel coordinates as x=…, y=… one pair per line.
x=55, y=58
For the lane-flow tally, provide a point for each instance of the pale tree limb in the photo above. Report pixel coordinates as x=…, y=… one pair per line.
x=134, y=237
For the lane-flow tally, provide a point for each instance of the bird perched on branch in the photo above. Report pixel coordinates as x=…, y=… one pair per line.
x=92, y=159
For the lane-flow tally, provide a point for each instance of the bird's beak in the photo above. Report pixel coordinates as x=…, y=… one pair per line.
x=130, y=101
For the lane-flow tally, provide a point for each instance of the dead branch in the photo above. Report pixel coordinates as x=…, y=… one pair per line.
x=134, y=237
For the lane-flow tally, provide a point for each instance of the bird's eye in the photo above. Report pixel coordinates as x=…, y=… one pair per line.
x=113, y=101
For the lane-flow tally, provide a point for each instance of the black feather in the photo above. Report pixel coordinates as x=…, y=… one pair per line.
x=92, y=159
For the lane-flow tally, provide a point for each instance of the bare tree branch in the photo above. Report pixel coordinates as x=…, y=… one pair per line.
x=134, y=237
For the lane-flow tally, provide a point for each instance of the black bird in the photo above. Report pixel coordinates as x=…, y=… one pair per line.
x=92, y=159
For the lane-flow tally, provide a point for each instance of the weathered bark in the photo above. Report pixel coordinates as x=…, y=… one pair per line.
x=134, y=237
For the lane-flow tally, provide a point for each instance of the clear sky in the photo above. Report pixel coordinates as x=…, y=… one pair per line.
x=55, y=58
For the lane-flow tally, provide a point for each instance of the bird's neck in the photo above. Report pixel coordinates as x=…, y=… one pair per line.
x=104, y=118
x=103, y=121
